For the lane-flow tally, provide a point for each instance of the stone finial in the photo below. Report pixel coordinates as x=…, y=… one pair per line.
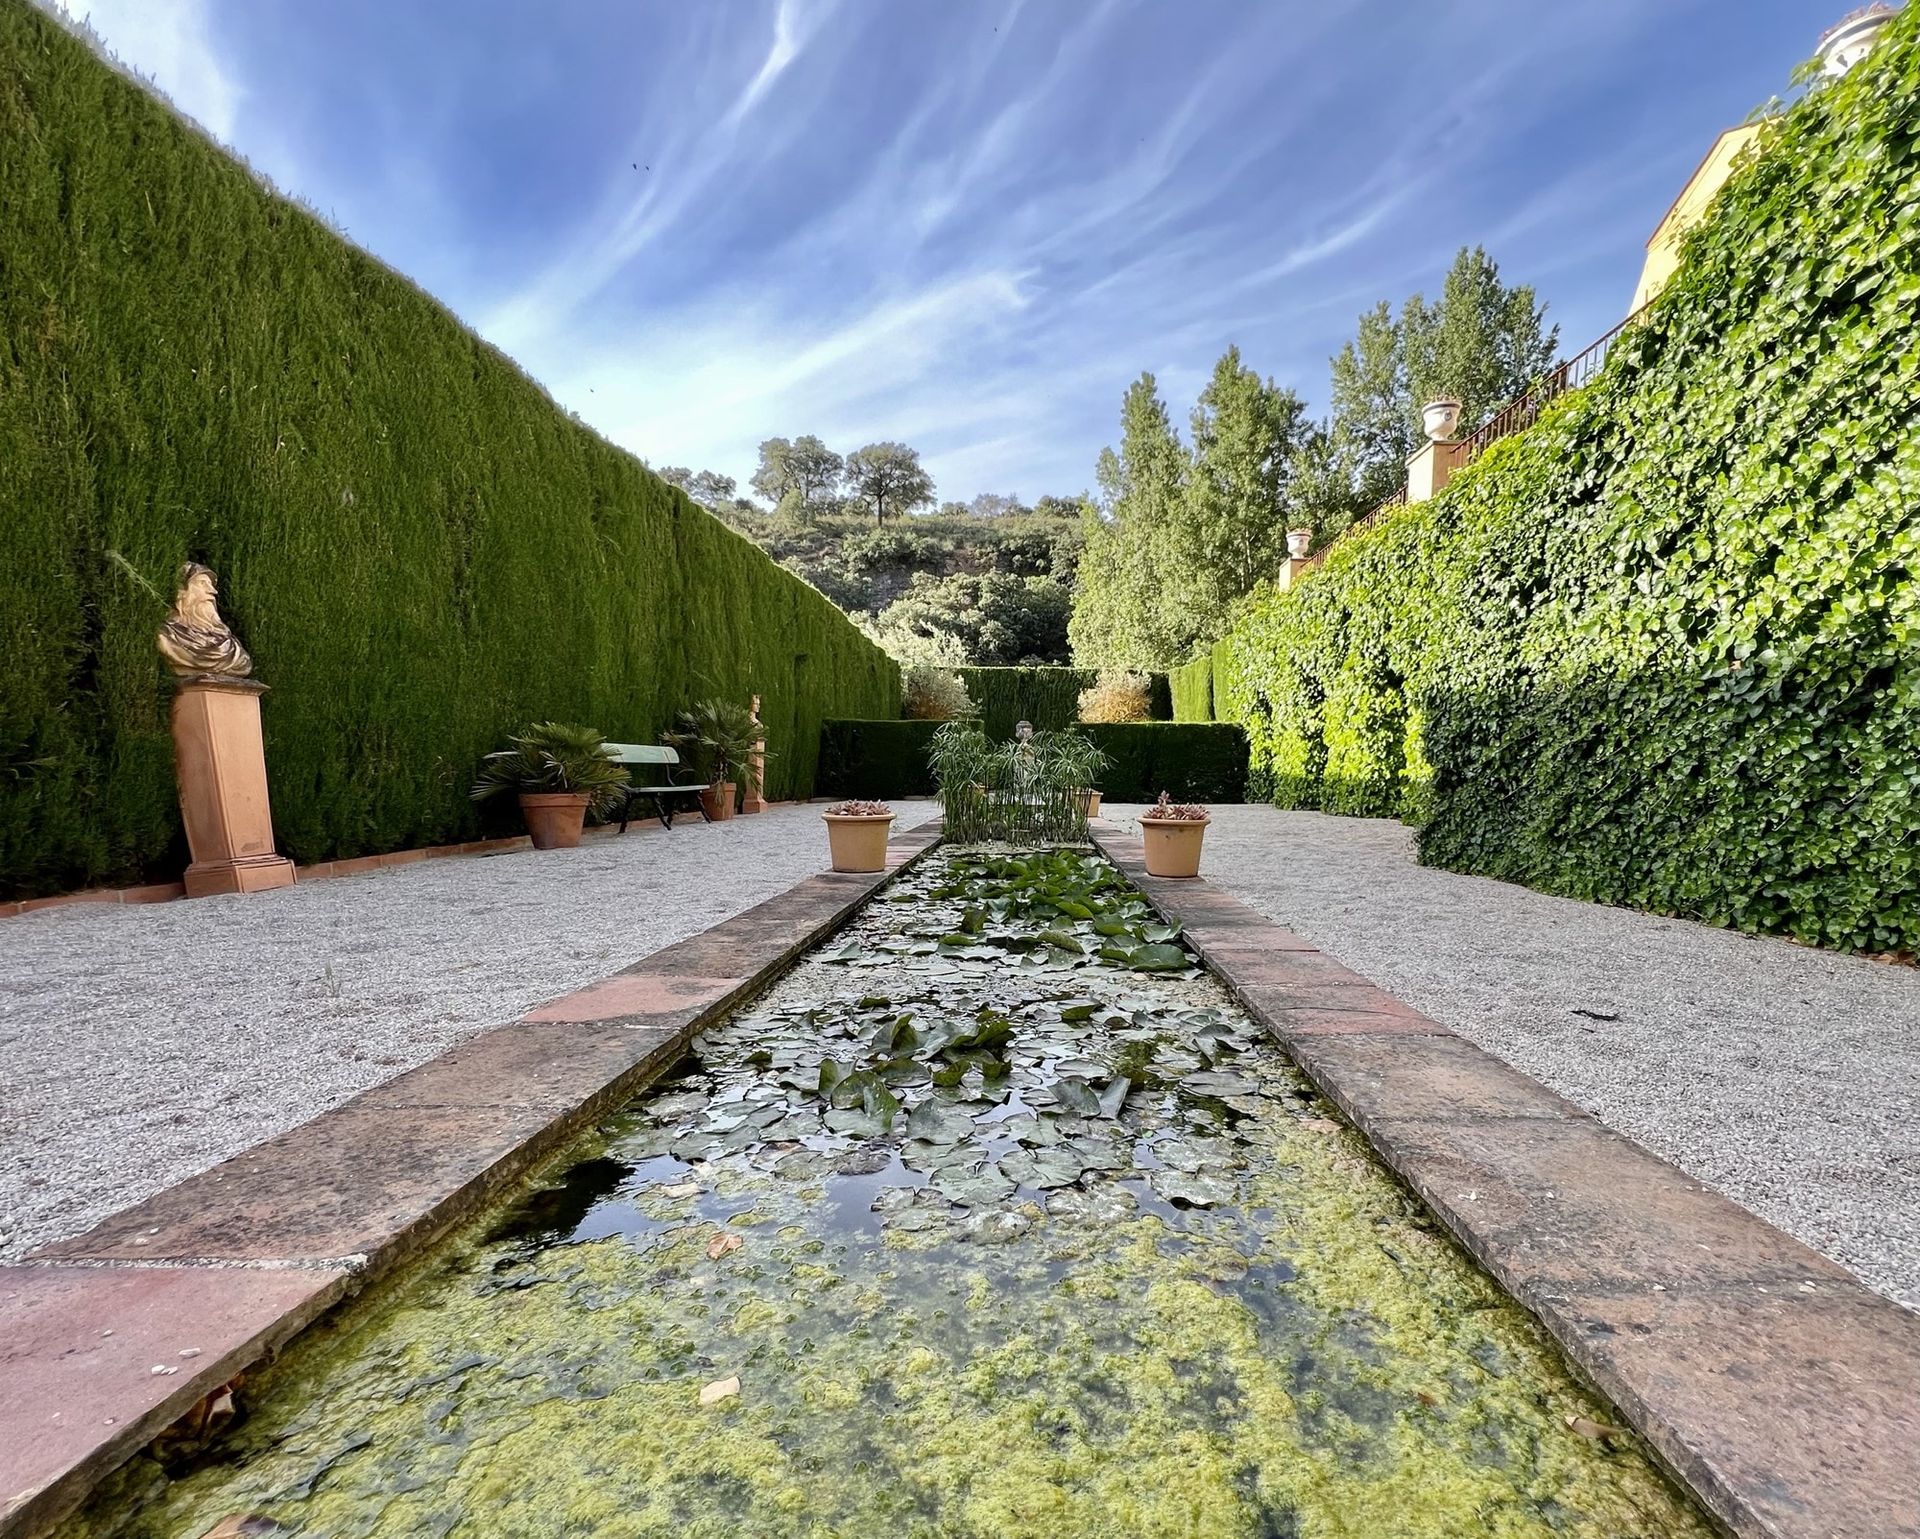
x=194, y=640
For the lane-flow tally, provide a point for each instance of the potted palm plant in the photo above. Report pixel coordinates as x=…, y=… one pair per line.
x=718, y=738
x=559, y=771
x=1172, y=833
x=857, y=835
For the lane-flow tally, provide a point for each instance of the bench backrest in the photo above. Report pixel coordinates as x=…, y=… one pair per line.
x=642, y=753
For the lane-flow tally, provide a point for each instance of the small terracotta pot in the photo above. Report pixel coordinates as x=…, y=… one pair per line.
x=1173, y=845
x=554, y=818
x=858, y=843
x=719, y=800
x=1089, y=803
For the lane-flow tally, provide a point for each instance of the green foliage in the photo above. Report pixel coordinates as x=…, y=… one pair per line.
x=1013, y=791
x=1046, y=697
x=995, y=620
x=1661, y=649
x=875, y=760
x=554, y=756
x=888, y=478
x=716, y=739
x=1200, y=761
x=419, y=549
x=1192, y=689
x=928, y=693
x=1194, y=761
x=1482, y=344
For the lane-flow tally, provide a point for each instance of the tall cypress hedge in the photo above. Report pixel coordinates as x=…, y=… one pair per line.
x=1663, y=649
x=1191, y=687
x=1047, y=697
x=420, y=549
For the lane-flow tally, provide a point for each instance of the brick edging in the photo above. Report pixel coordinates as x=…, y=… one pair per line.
x=1776, y=1387
x=109, y=1337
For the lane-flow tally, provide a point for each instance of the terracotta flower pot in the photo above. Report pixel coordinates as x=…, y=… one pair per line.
x=719, y=799
x=554, y=818
x=858, y=842
x=1089, y=803
x=1173, y=845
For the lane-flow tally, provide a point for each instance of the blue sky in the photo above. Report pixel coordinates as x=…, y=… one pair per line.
x=963, y=225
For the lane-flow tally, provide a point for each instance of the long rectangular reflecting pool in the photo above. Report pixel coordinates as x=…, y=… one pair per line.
x=995, y=1218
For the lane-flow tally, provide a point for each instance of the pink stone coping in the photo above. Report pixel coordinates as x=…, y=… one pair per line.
x=1776, y=1387
x=109, y=1337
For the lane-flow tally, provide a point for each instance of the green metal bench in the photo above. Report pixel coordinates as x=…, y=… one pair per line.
x=661, y=795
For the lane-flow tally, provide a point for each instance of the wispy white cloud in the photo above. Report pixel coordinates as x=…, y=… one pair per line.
x=966, y=227
x=171, y=43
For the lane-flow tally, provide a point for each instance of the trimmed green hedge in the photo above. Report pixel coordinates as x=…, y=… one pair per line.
x=1194, y=761
x=1663, y=649
x=1192, y=689
x=875, y=760
x=420, y=549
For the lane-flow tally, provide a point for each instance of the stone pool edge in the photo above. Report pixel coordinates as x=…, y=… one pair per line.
x=110, y=1337
x=1778, y=1389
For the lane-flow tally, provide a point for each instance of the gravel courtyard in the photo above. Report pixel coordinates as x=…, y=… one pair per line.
x=1788, y=1078
x=143, y=1044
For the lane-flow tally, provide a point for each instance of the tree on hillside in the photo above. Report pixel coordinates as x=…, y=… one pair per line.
x=992, y=619
x=1232, y=528
x=889, y=478
x=994, y=505
x=1483, y=343
x=707, y=487
x=1371, y=427
x=798, y=476
x=1118, y=617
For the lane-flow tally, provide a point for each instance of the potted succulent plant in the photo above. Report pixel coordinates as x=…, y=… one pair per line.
x=857, y=835
x=717, y=738
x=559, y=771
x=1172, y=833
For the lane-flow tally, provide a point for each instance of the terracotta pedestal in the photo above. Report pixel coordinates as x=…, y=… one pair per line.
x=222, y=771
x=753, y=798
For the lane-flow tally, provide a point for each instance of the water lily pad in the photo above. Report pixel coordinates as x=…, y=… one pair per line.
x=1157, y=957
x=1215, y=1083
x=972, y=1186
x=1058, y=1166
x=1194, y=1189
x=1076, y=1095
x=935, y=1123
x=1101, y=1203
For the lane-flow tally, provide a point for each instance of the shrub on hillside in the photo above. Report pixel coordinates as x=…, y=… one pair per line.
x=1117, y=695
x=928, y=693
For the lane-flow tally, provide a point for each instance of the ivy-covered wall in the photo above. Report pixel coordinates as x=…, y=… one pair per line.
x=420, y=549
x=1663, y=649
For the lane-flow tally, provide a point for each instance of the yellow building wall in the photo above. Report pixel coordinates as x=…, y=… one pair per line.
x=1663, y=247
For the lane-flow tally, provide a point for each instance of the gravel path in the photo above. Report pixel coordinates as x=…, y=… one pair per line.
x=140, y=1045
x=1788, y=1078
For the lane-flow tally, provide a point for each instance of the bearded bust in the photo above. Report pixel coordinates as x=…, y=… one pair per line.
x=195, y=640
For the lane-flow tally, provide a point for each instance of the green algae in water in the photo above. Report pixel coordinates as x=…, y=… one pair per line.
x=1109, y=1268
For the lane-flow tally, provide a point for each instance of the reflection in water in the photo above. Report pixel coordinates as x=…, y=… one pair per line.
x=995, y=1219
